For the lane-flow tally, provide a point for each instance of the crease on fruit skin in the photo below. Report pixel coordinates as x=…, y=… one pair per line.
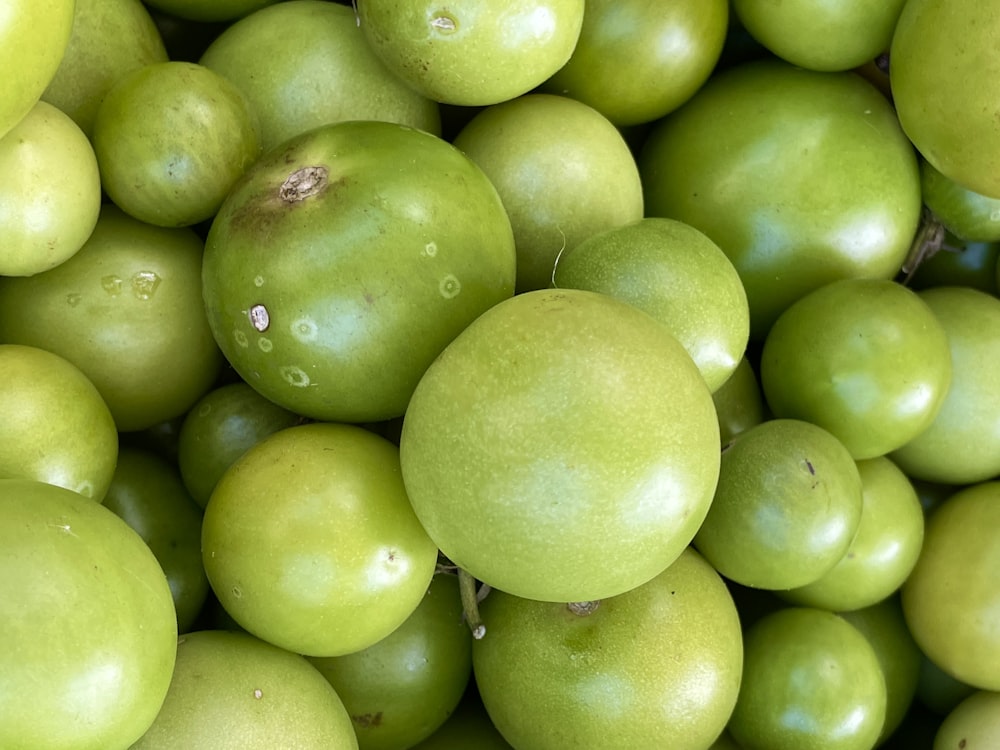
x=304, y=183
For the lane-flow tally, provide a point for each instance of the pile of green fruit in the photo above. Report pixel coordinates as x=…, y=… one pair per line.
x=533, y=374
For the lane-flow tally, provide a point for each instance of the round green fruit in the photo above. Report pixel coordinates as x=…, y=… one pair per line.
x=88, y=623
x=811, y=681
x=33, y=39
x=171, y=139
x=563, y=171
x=478, y=52
x=739, y=403
x=969, y=215
x=400, y=690
x=147, y=493
x=56, y=427
x=127, y=310
x=866, y=359
x=208, y=11
x=346, y=260
x=305, y=63
x=884, y=549
x=962, y=444
x=309, y=541
x=563, y=447
x=50, y=196
x=951, y=598
x=676, y=274
x=973, y=723
x=801, y=177
x=787, y=506
x=658, y=666
x=110, y=39
x=945, y=79
x=231, y=691
x=636, y=60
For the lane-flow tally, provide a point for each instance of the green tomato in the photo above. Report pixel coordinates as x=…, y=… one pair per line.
x=88, y=628
x=658, y=666
x=637, y=60
x=479, y=52
x=945, y=78
x=209, y=10
x=739, y=403
x=224, y=423
x=110, y=39
x=811, y=681
x=885, y=628
x=346, y=260
x=329, y=74
x=959, y=263
x=951, y=598
x=962, y=444
x=800, y=177
x=56, y=427
x=33, y=39
x=884, y=549
x=969, y=215
x=975, y=722
x=819, y=35
x=563, y=171
x=231, y=691
x=46, y=220
x=866, y=359
x=127, y=310
x=563, y=447
x=147, y=493
x=787, y=506
x=309, y=541
x=400, y=690
x=676, y=274
x=172, y=139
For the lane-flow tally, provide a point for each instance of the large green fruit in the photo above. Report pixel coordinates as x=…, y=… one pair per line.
x=800, y=177
x=346, y=260
x=87, y=624
x=33, y=39
x=656, y=667
x=945, y=83
x=951, y=598
x=564, y=447
x=231, y=691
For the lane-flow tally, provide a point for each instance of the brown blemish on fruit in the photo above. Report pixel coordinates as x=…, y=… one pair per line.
x=812, y=469
x=368, y=721
x=304, y=183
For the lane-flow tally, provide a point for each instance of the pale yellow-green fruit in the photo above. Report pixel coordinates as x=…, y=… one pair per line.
x=884, y=549
x=56, y=427
x=328, y=74
x=676, y=274
x=656, y=667
x=50, y=192
x=33, y=39
x=973, y=723
x=473, y=53
x=564, y=447
x=110, y=38
x=232, y=691
x=962, y=444
x=563, y=171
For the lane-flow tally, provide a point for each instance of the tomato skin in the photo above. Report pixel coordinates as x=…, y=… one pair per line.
x=945, y=79
x=33, y=39
x=800, y=177
x=365, y=280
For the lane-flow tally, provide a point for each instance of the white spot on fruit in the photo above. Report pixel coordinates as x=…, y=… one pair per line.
x=258, y=281
x=258, y=693
x=449, y=286
x=304, y=329
x=260, y=318
x=145, y=284
x=294, y=376
x=444, y=22
x=264, y=344
x=430, y=249
x=240, y=338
